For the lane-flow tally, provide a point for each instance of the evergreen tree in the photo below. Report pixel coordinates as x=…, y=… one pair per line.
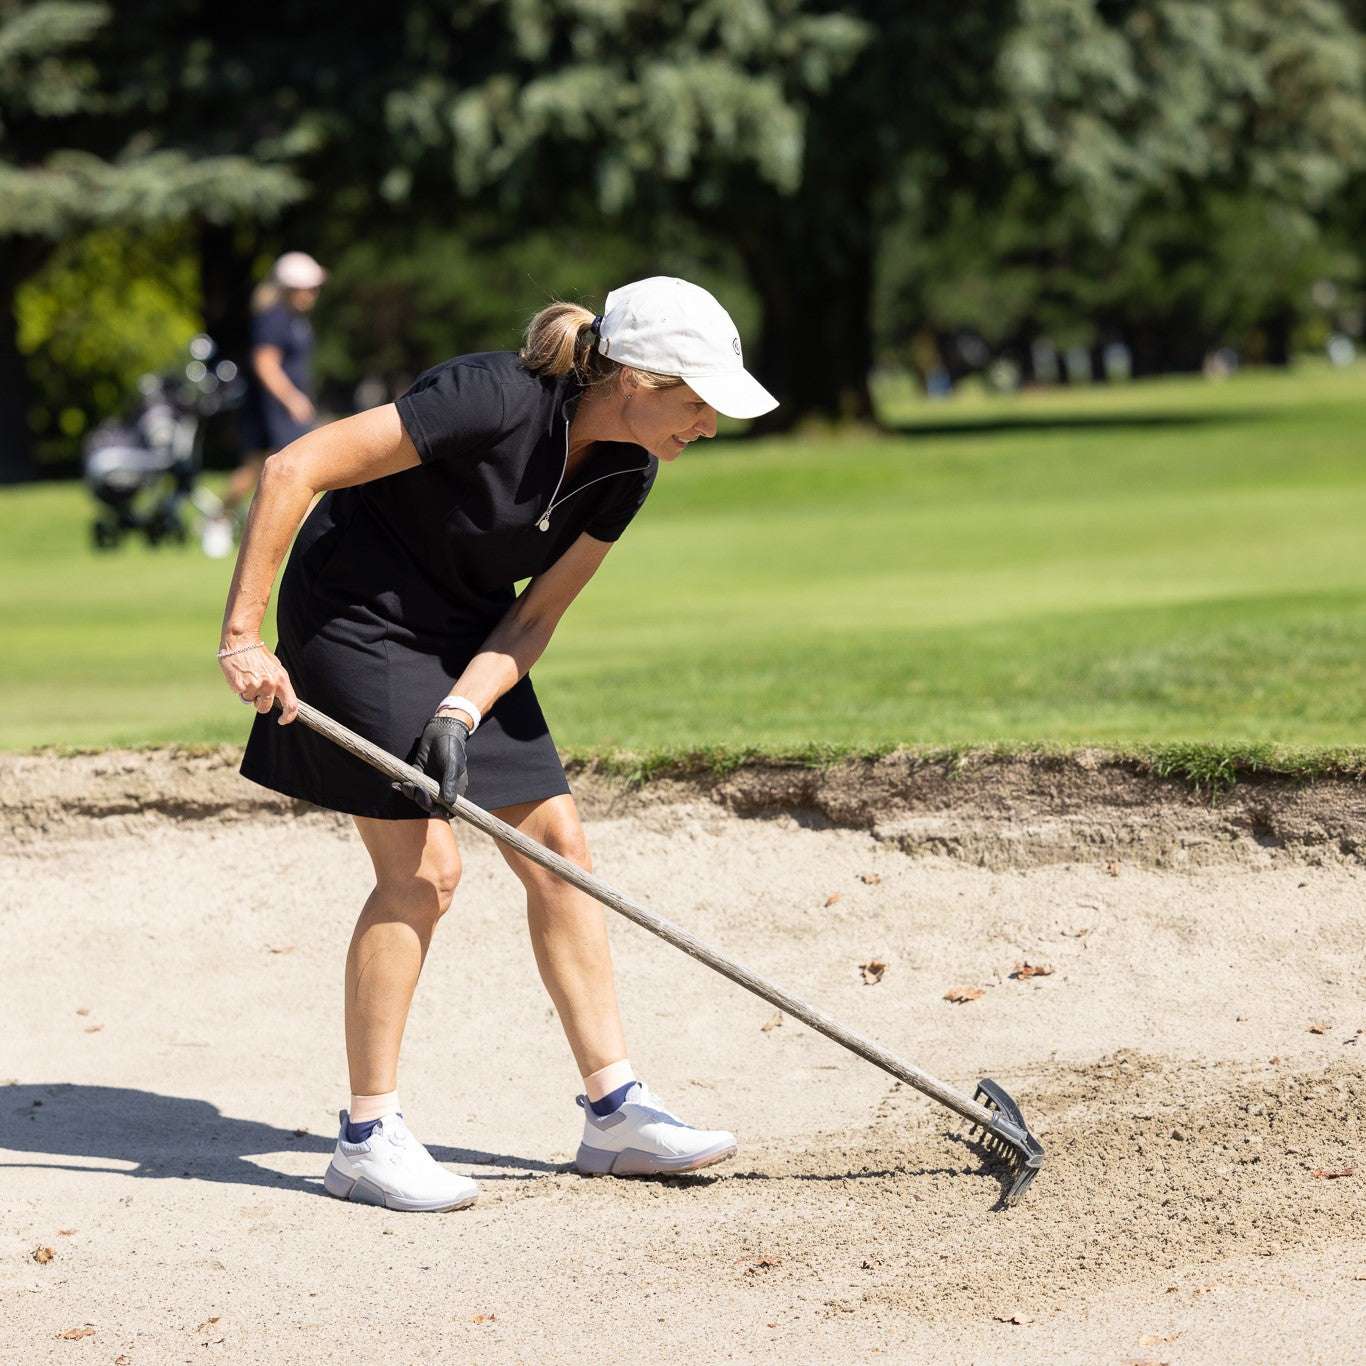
x=76, y=152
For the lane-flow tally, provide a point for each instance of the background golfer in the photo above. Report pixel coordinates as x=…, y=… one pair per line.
x=397, y=615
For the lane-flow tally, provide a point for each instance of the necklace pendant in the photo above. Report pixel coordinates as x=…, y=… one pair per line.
x=544, y=523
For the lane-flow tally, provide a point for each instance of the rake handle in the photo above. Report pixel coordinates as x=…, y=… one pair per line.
x=666, y=930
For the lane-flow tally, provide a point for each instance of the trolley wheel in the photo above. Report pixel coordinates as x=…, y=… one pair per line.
x=165, y=526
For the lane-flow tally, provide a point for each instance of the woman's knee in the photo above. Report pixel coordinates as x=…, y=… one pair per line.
x=418, y=875
x=426, y=892
x=562, y=834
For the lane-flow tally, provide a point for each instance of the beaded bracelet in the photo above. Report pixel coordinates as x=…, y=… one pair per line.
x=242, y=649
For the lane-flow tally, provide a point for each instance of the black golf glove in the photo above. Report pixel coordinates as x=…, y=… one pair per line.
x=440, y=754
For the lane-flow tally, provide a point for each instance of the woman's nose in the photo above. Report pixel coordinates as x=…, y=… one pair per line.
x=706, y=424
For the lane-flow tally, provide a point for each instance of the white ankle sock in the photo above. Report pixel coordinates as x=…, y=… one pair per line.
x=365, y=1108
x=606, y=1079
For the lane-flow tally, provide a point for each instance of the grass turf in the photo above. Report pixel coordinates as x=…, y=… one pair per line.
x=1174, y=563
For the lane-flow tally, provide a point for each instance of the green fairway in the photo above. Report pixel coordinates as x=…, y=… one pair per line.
x=1171, y=561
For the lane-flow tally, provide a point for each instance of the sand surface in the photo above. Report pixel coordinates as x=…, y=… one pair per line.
x=1195, y=1063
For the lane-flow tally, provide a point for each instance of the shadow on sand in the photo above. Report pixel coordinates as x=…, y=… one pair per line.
x=77, y=1128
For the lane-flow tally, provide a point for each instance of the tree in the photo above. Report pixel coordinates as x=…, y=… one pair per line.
x=804, y=133
x=1162, y=171
x=76, y=152
x=629, y=111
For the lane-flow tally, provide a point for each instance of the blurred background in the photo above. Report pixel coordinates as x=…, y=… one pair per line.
x=940, y=228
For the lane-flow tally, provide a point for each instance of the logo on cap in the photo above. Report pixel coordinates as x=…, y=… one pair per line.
x=735, y=344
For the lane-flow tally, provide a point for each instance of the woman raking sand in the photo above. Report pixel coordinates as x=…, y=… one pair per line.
x=398, y=616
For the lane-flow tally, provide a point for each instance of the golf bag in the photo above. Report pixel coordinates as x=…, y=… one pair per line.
x=143, y=468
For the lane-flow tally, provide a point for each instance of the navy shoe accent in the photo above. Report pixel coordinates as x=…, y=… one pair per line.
x=610, y=1102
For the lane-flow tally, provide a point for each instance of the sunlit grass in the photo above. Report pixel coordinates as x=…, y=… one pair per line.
x=1174, y=562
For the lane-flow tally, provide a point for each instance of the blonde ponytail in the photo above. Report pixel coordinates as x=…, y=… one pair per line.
x=560, y=341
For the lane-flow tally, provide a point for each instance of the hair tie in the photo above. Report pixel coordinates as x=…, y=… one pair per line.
x=597, y=324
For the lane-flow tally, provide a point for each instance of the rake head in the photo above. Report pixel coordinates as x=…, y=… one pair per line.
x=1008, y=1138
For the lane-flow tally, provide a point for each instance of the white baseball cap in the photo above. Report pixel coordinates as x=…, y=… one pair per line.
x=298, y=270
x=671, y=327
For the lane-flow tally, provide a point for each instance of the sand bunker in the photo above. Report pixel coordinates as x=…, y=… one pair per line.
x=1194, y=1059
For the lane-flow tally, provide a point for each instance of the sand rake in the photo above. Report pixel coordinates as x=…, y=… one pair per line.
x=992, y=1115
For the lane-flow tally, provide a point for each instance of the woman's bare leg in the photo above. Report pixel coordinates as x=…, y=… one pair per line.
x=417, y=867
x=568, y=934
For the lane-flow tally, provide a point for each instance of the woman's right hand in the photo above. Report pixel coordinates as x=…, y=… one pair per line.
x=260, y=680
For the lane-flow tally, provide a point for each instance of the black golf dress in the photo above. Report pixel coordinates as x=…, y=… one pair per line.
x=393, y=586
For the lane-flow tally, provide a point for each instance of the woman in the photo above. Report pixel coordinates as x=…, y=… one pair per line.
x=398, y=616
x=278, y=407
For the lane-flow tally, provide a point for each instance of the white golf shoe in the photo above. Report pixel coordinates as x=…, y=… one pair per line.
x=391, y=1168
x=643, y=1139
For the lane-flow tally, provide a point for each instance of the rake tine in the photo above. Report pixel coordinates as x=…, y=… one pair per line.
x=992, y=1111
x=1009, y=1138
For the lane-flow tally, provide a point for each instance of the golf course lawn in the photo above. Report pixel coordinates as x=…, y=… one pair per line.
x=1169, y=561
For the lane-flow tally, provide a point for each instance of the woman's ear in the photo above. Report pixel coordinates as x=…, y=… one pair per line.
x=628, y=381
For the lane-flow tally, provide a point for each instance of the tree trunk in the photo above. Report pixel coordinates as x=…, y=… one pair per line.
x=814, y=350
x=21, y=258
x=225, y=280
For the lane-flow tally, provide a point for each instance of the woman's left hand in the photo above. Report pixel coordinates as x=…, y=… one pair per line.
x=440, y=754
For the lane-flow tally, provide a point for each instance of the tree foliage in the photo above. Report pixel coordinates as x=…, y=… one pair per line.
x=1169, y=171
x=80, y=150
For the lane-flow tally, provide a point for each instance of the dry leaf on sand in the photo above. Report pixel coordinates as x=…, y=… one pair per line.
x=288, y=948
x=774, y=1021
x=1113, y=869
x=1156, y=1339
x=758, y=1264
x=72, y=1334
x=1333, y=1175
x=962, y=995
x=1024, y=971
x=872, y=971
x=871, y=879
x=483, y=1318
x=1020, y=1319
x=208, y=1323
x=1320, y=1026
x=833, y=897
x=43, y=1255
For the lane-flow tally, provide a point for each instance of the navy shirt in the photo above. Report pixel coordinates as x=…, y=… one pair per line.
x=437, y=549
x=269, y=426
x=291, y=334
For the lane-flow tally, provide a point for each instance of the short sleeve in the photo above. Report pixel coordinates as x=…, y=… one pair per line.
x=271, y=328
x=453, y=410
x=613, y=518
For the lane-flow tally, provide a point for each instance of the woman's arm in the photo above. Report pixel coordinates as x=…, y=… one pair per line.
x=514, y=645
x=267, y=362
x=517, y=642
x=354, y=450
